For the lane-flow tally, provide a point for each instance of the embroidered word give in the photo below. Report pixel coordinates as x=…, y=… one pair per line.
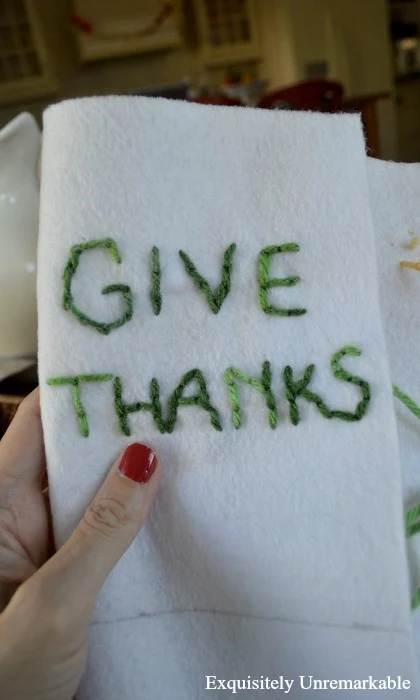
x=215, y=297
x=295, y=390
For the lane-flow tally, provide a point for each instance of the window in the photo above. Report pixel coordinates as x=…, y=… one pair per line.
x=228, y=30
x=24, y=70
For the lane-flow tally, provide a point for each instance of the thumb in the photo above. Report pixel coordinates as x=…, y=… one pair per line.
x=73, y=576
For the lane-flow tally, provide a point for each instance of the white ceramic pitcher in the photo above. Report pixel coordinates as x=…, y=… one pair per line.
x=19, y=209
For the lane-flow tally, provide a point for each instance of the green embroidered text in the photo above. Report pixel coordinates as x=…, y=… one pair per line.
x=69, y=272
x=216, y=298
x=263, y=386
x=265, y=283
x=75, y=383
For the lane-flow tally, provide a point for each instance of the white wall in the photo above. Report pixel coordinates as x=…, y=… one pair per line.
x=277, y=39
x=351, y=35
x=364, y=28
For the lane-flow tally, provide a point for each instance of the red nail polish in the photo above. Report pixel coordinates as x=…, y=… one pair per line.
x=138, y=463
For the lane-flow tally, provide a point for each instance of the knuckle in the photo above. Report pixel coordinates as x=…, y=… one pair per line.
x=107, y=515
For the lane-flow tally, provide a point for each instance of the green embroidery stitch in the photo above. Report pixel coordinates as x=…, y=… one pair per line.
x=75, y=382
x=412, y=527
x=202, y=399
x=412, y=517
x=265, y=283
x=407, y=401
x=294, y=390
x=176, y=399
x=345, y=376
x=123, y=409
x=263, y=386
x=70, y=270
x=217, y=297
x=156, y=276
x=415, y=601
x=299, y=388
x=412, y=521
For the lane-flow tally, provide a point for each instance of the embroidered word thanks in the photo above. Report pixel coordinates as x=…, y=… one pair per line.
x=294, y=390
x=70, y=270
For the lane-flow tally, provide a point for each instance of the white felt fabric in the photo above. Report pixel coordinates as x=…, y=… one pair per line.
x=267, y=552
x=395, y=195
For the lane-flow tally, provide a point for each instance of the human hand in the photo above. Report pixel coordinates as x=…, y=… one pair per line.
x=46, y=599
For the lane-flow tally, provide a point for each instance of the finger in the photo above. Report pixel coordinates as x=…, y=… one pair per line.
x=22, y=446
x=22, y=463
x=74, y=575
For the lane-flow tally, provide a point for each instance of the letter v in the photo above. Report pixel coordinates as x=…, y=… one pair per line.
x=217, y=297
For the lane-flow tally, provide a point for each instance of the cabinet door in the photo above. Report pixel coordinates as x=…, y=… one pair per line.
x=124, y=27
x=228, y=31
x=24, y=67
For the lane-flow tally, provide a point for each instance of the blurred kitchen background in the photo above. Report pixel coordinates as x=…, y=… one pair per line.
x=327, y=55
x=222, y=50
